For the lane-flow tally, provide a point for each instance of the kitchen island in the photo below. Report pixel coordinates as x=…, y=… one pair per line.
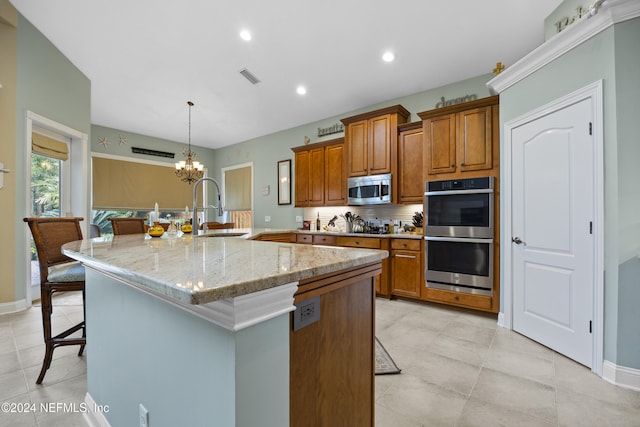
x=198, y=330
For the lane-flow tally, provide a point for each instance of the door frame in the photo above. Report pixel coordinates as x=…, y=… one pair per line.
x=79, y=188
x=592, y=91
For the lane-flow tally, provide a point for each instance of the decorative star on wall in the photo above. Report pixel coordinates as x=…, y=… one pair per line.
x=123, y=140
x=104, y=141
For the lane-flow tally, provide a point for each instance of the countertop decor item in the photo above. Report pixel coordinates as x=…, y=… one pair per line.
x=187, y=227
x=189, y=170
x=156, y=230
x=418, y=219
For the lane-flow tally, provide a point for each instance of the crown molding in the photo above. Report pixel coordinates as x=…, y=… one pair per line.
x=611, y=12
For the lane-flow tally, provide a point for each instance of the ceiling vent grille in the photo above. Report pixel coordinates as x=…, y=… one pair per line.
x=247, y=75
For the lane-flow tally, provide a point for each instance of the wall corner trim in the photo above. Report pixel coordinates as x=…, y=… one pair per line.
x=93, y=416
x=621, y=375
x=612, y=12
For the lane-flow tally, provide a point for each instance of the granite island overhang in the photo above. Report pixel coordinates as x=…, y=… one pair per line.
x=147, y=299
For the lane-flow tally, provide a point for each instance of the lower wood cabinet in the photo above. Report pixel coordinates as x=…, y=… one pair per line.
x=277, y=237
x=402, y=272
x=382, y=281
x=332, y=362
x=406, y=268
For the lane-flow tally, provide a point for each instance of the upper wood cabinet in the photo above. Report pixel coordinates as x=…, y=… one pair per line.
x=410, y=187
x=460, y=138
x=335, y=180
x=371, y=140
x=319, y=174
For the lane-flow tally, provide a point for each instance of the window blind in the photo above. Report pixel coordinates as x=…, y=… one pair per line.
x=49, y=147
x=129, y=185
x=237, y=189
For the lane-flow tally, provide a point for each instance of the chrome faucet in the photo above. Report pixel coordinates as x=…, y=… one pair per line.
x=195, y=200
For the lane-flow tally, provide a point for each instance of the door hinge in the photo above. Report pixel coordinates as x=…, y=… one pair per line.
x=590, y=326
x=590, y=227
x=590, y=128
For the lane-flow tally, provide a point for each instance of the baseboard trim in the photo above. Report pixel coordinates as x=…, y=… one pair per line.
x=93, y=416
x=13, y=306
x=621, y=375
x=501, y=319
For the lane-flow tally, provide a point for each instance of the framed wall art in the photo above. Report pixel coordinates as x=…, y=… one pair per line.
x=284, y=182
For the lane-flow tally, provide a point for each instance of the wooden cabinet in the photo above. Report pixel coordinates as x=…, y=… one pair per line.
x=371, y=140
x=406, y=267
x=382, y=281
x=319, y=174
x=410, y=184
x=277, y=237
x=332, y=360
x=335, y=179
x=461, y=138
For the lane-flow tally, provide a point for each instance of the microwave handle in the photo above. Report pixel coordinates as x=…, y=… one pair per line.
x=380, y=189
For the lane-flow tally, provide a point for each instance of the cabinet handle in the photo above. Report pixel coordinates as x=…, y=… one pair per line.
x=456, y=298
x=453, y=165
x=405, y=256
x=462, y=164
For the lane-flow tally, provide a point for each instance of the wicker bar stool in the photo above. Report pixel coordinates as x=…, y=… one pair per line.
x=128, y=225
x=58, y=273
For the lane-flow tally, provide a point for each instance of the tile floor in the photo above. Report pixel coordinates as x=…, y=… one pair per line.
x=458, y=369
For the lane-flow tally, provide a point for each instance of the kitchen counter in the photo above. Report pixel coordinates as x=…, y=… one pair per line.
x=212, y=266
x=199, y=327
x=413, y=235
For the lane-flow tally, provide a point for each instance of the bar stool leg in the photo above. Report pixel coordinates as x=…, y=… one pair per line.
x=45, y=300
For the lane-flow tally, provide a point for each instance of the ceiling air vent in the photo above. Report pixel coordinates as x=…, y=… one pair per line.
x=247, y=75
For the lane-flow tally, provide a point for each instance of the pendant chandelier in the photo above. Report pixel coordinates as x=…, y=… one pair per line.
x=189, y=170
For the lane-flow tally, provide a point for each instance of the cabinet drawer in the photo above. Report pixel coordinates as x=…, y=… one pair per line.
x=304, y=238
x=454, y=298
x=324, y=240
x=405, y=244
x=358, y=242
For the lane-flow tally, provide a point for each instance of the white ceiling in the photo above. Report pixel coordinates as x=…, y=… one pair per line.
x=147, y=58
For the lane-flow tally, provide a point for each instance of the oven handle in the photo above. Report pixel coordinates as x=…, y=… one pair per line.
x=457, y=239
x=457, y=192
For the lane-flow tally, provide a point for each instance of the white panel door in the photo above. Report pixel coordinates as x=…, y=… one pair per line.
x=552, y=242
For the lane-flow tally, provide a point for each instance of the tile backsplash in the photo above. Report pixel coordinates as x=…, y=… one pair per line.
x=383, y=213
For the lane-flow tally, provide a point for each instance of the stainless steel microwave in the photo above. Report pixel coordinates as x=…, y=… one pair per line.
x=369, y=190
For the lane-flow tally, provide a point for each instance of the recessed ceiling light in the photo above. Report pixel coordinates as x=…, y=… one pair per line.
x=301, y=90
x=245, y=35
x=388, y=57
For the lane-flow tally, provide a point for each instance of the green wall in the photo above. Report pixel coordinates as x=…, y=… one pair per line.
x=267, y=150
x=611, y=56
x=627, y=56
x=50, y=86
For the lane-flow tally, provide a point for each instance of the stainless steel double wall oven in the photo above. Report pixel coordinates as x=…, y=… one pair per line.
x=459, y=235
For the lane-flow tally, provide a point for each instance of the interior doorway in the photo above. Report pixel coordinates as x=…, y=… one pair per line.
x=57, y=178
x=553, y=226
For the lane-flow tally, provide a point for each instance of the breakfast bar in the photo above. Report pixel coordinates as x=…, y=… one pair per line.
x=199, y=330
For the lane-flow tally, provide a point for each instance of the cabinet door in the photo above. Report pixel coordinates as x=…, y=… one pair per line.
x=440, y=144
x=316, y=177
x=335, y=187
x=474, y=139
x=302, y=178
x=380, y=145
x=357, y=137
x=405, y=273
x=410, y=151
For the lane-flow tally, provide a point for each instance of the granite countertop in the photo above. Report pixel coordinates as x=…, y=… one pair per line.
x=210, y=267
x=416, y=236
